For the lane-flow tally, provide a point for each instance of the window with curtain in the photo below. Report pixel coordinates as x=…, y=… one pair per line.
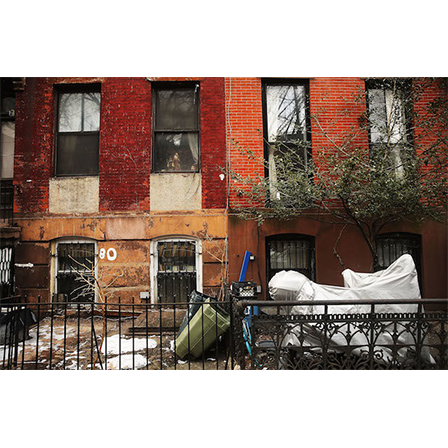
x=78, y=133
x=176, y=128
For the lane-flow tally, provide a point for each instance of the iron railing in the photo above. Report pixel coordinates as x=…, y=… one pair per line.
x=110, y=336
x=300, y=335
x=222, y=335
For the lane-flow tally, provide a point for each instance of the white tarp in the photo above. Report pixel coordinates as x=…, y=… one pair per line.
x=399, y=281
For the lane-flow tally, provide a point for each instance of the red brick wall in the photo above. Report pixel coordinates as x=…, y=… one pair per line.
x=244, y=124
x=33, y=147
x=125, y=142
x=213, y=142
x=429, y=131
x=125, y=154
x=336, y=108
x=333, y=109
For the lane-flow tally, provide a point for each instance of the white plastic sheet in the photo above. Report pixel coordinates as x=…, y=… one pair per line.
x=399, y=281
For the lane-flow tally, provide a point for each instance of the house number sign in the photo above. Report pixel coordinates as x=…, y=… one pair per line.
x=111, y=254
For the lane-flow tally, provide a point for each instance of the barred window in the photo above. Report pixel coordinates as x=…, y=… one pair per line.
x=392, y=246
x=176, y=270
x=75, y=264
x=291, y=252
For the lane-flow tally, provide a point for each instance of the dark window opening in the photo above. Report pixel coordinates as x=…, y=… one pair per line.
x=176, y=270
x=291, y=252
x=176, y=128
x=392, y=246
x=6, y=201
x=78, y=134
x=74, y=272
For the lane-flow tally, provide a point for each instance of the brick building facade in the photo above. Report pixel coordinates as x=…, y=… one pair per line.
x=335, y=113
x=87, y=189
x=128, y=174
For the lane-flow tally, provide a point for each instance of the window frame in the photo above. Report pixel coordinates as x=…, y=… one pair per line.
x=291, y=237
x=405, y=87
x=173, y=85
x=154, y=262
x=285, y=82
x=56, y=262
x=67, y=89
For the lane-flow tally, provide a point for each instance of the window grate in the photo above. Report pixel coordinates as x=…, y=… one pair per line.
x=294, y=253
x=75, y=263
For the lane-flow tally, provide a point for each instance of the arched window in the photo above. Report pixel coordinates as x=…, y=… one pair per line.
x=291, y=252
x=75, y=269
x=176, y=269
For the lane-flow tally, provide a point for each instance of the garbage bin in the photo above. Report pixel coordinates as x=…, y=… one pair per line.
x=201, y=332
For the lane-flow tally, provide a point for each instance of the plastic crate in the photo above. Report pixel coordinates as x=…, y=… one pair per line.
x=203, y=324
x=244, y=290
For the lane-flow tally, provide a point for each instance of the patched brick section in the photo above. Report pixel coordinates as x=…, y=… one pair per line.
x=125, y=142
x=125, y=155
x=34, y=146
x=212, y=135
x=213, y=142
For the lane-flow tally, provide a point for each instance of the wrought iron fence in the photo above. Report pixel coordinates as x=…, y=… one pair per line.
x=300, y=335
x=115, y=336
x=204, y=334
